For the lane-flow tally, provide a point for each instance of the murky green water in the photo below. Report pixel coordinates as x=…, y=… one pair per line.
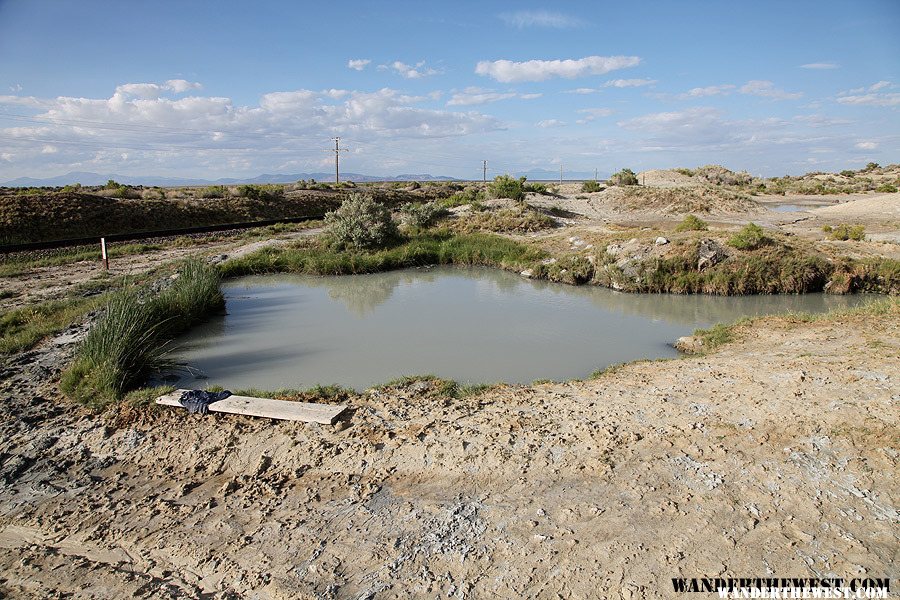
x=473, y=325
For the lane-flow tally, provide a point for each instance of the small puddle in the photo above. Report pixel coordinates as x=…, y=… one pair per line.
x=474, y=325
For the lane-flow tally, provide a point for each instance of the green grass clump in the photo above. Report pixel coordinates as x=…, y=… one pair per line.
x=22, y=328
x=692, y=223
x=750, y=237
x=429, y=248
x=591, y=186
x=466, y=196
x=130, y=340
x=847, y=232
x=886, y=188
x=505, y=186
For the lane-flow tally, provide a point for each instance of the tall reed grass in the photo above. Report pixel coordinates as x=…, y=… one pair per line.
x=132, y=338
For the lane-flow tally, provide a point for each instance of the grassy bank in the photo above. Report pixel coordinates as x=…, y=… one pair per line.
x=131, y=338
x=317, y=257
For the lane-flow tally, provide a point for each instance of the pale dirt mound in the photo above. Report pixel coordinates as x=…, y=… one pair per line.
x=880, y=206
x=666, y=178
x=678, y=200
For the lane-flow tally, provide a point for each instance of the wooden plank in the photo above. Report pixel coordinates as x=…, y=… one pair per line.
x=326, y=414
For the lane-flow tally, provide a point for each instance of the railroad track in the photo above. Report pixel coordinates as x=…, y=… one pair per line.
x=145, y=235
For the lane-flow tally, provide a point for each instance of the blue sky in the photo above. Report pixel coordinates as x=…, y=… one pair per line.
x=225, y=89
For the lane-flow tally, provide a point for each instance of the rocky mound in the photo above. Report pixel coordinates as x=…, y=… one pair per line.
x=680, y=200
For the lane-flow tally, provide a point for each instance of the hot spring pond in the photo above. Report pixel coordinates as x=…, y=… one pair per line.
x=473, y=325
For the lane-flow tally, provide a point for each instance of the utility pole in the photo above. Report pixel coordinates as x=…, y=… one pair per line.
x=484, y=171
x=596, y=172
x=560, y=174
x=337, y=158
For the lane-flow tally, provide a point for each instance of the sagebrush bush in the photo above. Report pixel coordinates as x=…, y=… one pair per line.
x=750, y=237
x=466, y=196
x=692, y=223
x=213, y=191
x=845, y=232
x=536, y=188
x=886, y=188
x=591, y=186
x=421, y=214
x=261, y=192
x=360, y=222
x=623, y=177
x=504, y=186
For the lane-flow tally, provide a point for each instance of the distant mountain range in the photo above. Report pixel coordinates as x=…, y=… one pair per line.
x=86, y=178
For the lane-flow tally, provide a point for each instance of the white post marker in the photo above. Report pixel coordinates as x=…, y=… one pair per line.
x=103, y=255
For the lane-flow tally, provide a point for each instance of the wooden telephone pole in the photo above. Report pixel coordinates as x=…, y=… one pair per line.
x=484, y=171
x=337, y=158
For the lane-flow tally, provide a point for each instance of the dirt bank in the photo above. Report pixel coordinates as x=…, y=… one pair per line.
x=775, y=456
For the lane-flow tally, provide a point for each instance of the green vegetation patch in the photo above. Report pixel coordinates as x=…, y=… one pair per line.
x=750, y=237
x=130, y=340
x=692, y=223
x=318, y=257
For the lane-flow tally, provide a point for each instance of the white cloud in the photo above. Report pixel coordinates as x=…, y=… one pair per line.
x=358, y=64
x=204, y=133
x=180, y=86
x=475, y=95
x=540, y=18
x=711, y=90
x=583, y=91
x=416, y=71
x=767, y=89
x=892, y=99
x=592, y=114
x=878, y=86
x=508, y=71
x=820, y=66
x=867, y=145
x=548, y=123
x=820, y=120
x=627, y=83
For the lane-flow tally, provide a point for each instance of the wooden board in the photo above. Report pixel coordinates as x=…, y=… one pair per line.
x=325, y=414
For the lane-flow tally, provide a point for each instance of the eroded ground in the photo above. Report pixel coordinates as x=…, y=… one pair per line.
x=776, y=455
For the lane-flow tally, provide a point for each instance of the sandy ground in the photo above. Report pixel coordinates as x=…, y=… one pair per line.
x=775, y=456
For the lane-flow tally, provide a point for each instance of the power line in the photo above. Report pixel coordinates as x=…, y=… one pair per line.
x=337, y=158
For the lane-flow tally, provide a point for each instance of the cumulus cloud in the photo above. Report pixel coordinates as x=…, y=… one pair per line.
x=508, y=71
x=358, y=64
x=767, y=89
x=540, y=18
x=160, y=131
x=627, y=83
x=820, y=66
x=416, y=71
x=867, y=145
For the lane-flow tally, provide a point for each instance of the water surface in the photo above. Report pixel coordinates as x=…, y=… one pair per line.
x=473, y=325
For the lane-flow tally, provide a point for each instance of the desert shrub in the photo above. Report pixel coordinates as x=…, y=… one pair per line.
x=536, y=188
x=72, y=187
x=213, y=191
x=827, y=228
x=111, y=184
x=848, y=232
x=261, y=192
x=683, y=171
x=692, y=223
x=591, y=186
x=360, y=222
x=871, y=167
x=421, y=214
x=750, y=237
x=125, y=192
x=623, y=177
x=848, y=173
x=508, y=220
x=886, y=188
x=466, y=196
x=505, y=186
